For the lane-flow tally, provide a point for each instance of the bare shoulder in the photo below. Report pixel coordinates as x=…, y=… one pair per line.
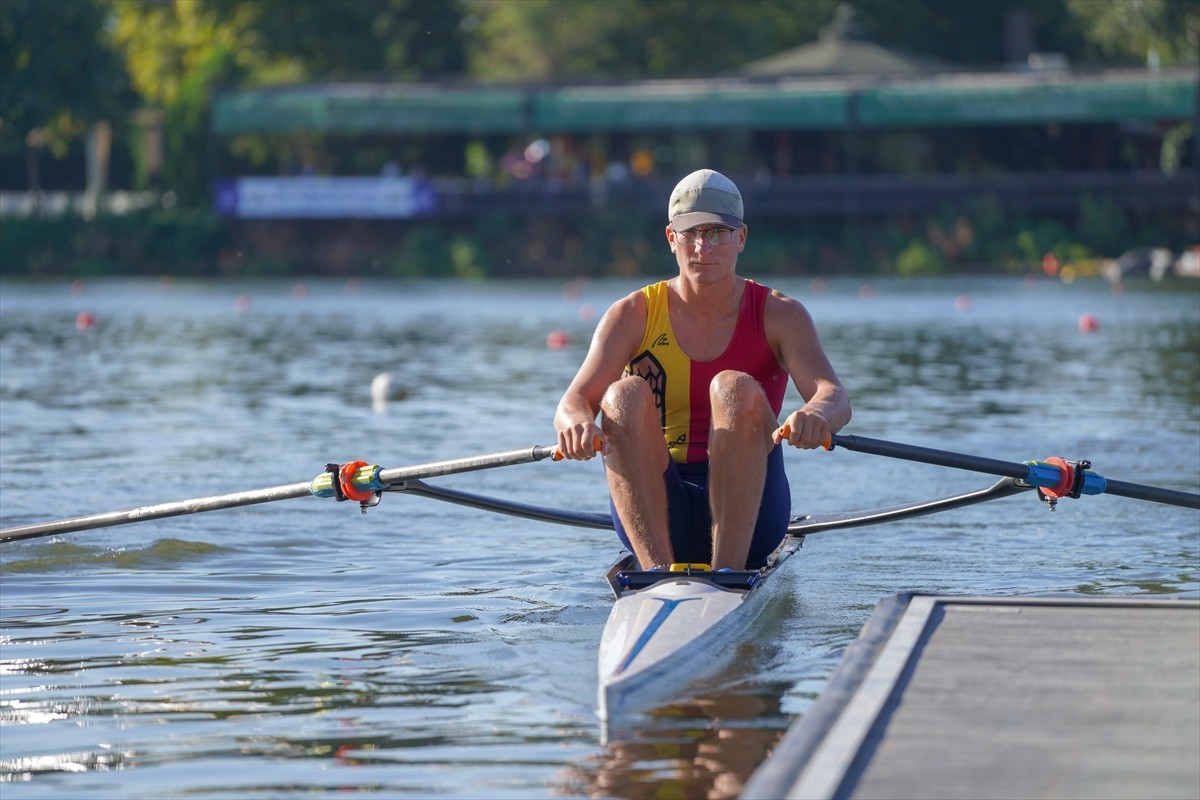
x=784, y=312
x=621, y=327
x=792, y=334
x=634, y=302
x=626, y=311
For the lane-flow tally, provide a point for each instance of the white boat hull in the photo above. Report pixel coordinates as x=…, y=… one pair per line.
x=650, y=632
x=666, y=625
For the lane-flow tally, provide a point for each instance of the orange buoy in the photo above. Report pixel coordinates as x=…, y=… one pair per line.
x=1050, y=264
x=962, y=303
x=1088, y=323
x=557, y=339
x=84, y=321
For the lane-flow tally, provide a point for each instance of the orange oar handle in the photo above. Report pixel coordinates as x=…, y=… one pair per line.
x=597, y=443
x=785, y=432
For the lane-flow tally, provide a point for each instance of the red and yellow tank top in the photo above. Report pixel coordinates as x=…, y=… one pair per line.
x=680, y=385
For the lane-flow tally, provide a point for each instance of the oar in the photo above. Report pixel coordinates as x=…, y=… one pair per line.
x=798, y=526
x=561, y=516
x=358, y=481
x=1057, y=477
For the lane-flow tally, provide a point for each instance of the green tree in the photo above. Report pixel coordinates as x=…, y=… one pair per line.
x=393, y=39
x=163, y=42
x=1134, y=31
x=56, y=77
x=586, y=39
x=966, y=32
x=179, y=51
x=517, y=40
x=176, y=51
x=547, y=39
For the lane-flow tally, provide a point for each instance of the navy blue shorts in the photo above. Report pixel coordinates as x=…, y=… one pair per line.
x=691, y=517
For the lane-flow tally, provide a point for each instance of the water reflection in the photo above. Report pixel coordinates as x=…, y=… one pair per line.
x=706, y=747
x=22, y=770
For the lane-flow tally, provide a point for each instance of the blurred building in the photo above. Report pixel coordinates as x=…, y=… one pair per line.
x=841, y=126
x=1037, y=140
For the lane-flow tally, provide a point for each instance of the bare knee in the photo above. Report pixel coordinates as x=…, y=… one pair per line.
x=734, y=392
x=632, y=422
x=738, y=402
x=626, y=400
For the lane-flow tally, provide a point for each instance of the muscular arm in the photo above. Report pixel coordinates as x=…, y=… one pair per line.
x=826, y=408
x=617, y=335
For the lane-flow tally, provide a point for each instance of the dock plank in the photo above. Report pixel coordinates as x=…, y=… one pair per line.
x=1009, y=698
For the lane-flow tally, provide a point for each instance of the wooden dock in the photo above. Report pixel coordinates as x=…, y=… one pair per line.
x=1007, y=698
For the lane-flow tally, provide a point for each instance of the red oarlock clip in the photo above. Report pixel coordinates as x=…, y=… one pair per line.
x=346, y=482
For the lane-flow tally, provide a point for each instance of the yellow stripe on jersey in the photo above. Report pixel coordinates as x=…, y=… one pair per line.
x=667, y=369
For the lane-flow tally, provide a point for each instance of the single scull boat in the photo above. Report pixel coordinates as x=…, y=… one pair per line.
x=662, y=619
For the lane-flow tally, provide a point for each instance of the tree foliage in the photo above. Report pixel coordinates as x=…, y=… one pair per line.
x=67, y=63
x=353, y=39
x=56, y=73
x=584, y=40
x=164, y=41
x=1130, y=30
x=967, y=33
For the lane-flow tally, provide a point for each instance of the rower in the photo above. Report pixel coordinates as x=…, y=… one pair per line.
x=682, y=388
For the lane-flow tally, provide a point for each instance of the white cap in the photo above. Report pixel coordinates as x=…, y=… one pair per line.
x=705, y=196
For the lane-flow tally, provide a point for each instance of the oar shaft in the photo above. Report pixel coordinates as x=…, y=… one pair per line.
x=287, y=492
x=455, y=465
x=927, y=455
x=1155, y=494
x=1035, y=475
x=144, y=513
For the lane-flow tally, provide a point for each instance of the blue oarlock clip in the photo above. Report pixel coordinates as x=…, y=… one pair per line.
x=1093, y=483
x=1042, y=475
x=1057, y=478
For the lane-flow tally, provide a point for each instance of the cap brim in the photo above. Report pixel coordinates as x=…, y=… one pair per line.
x=686, y=222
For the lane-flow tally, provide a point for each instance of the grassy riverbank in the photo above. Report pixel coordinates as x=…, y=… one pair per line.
x=189, y=242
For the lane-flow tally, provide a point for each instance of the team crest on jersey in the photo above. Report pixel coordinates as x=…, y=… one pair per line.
x=647, y=367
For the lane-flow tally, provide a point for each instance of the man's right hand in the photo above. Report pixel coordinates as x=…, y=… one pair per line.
x=582, y=442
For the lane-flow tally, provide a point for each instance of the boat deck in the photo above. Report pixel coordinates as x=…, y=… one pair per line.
x=995, y=697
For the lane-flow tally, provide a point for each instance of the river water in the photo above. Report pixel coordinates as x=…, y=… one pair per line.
x=300, y=648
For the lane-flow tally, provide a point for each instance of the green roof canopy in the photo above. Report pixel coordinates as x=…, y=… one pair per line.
x=692, y=104
x=1006, y=102
x=785, y=104
x=367, y=109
